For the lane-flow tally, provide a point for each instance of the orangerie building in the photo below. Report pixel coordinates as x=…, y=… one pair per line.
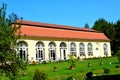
x=52, y=42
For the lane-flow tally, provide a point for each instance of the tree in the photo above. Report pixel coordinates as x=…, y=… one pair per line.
x=86, y=26
x=10, y=63
x=117, y=36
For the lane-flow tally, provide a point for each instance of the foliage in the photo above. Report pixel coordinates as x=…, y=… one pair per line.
x=89, y=65
x=55, y=68
x=106, y=71
x=86, y=26
x=39, y=75
x=118, y=55
x=71, y=78
x=10, y=63
x=71, y=60
x=117, y=66
x=89, y=75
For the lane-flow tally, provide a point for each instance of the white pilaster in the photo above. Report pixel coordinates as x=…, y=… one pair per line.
x=77, y=49
x=57, y=50
x=46, y=43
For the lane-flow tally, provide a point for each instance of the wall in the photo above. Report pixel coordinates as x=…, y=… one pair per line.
x=96, y=44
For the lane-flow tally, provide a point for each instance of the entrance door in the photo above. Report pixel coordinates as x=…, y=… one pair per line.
x=97, y=53
x=63, y=53
x=52, y=55
x=63, y=49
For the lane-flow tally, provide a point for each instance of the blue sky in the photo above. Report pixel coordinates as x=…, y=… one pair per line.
x=65, y=12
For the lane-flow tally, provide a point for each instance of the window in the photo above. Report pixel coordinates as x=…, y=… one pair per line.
x=73, y=49
x=82, y=49
x=52, y=51
x=90, y=50
x=23, y=50
x=105, y=48
x=39, y=52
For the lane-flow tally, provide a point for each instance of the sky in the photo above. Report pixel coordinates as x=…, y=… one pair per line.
x=65, y=12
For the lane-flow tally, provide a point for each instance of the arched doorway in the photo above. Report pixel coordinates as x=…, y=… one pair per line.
x=23, y=50
x=52, y=51
x=39, y=52
x=63, y=51
x=97, y=54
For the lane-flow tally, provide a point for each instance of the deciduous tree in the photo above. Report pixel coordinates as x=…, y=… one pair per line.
x=10, y=63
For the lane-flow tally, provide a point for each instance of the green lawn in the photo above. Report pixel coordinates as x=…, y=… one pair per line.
x=80, y=71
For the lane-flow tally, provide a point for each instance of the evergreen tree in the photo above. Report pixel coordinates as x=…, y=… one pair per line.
x=86, y=26
x=117, y=36
x=10, y=63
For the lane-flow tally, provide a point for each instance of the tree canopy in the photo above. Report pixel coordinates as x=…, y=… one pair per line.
x=10, y=63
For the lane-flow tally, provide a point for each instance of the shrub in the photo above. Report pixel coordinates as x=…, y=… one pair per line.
x=106, y=71
x=118, y=55
x=89, y=75
x=44, y=62
x=89, y=65
x=55, y=68
x=72, y=60
x=33, y=62
x=101, y=63
x=70, y=78
x=117, y=66
x=39, y=75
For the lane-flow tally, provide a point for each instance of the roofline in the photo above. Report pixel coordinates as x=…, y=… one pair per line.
x=108, y=40
x=47, y=25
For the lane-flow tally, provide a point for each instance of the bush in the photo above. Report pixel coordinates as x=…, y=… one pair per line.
x=70, y=78
x=44, y=62
x=106, y=71
x=55, y=68
x=39, y=75
x=89, y=65
x=118, y=55
x=33, y=62
x=117, y=66
x=89, y=75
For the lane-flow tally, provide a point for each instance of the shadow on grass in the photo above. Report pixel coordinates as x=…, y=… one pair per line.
x=67, y=68
x=105, y=77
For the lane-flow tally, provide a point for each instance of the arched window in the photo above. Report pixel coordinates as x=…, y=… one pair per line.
x=82, y=49
x=105, y=48
x=90, y=49
x=73, y=49
x=52, y=51
x=39, y=52
x=63, y=51
x=62, y=45
x=23, y=50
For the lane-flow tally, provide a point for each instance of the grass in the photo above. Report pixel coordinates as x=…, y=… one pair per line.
x=81, y=68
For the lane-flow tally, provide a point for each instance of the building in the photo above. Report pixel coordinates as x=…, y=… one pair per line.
x=44, y=42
